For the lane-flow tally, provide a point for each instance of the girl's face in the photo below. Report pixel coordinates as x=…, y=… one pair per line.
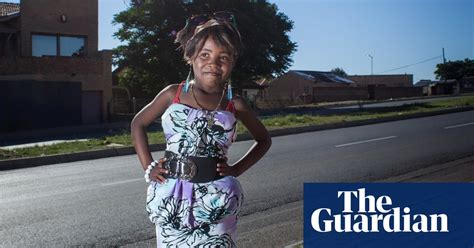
x=213, y=64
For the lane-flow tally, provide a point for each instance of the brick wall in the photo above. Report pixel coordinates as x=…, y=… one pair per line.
x=50, y=65
x=386, y=80
x=333, y=94
x=94, y=73
x=336, y=94
x=288, y=87
x=43, y=16
x=277, y=103
x=381, y=93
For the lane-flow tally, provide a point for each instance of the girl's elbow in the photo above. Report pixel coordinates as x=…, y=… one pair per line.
x=136, y=125
x=269, y=141
x=266, y=141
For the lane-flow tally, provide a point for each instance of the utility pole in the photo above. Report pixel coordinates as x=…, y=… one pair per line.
x=444, y=58
x=444, y=63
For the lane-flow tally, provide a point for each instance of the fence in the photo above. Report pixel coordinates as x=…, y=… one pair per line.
x=128, y=106
x=337, y=94
x=276, y=103
x=381, y=93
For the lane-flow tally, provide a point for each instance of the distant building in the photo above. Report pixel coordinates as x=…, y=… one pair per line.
x=51, y=71
x=467, y=84
x=296, y=84
x=426, y=85
x=250, y=90
x=396, y=80
x=447, y=87
x=298, y=87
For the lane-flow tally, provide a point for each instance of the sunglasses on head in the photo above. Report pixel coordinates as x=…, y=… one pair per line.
x=221, y=16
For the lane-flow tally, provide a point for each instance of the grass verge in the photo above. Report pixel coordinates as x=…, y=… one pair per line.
x=274, y=122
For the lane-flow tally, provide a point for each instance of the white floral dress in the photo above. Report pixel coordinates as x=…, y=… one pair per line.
x=196, y=214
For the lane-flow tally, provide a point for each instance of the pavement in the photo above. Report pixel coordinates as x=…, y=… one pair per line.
x=283, y=226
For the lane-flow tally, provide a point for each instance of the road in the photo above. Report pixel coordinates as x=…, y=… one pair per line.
x=101, y=202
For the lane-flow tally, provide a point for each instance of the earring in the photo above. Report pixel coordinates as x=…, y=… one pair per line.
x=188, y=79
x=229, y=90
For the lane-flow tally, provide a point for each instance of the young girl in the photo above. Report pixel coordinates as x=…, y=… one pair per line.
x=194, y=197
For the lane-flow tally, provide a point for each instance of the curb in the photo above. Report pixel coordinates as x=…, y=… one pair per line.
x=10, y=164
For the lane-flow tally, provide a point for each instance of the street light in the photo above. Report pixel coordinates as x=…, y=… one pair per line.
x=371, y=65
x=371, y=84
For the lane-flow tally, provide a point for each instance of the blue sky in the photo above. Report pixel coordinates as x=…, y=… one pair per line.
x=342, y=33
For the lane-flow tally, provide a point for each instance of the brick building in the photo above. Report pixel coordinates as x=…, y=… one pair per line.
x=395, y=80
x=51, y=71
x=298, y=87
x=297, y=84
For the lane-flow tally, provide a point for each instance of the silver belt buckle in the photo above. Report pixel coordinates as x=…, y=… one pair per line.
x=186, y=169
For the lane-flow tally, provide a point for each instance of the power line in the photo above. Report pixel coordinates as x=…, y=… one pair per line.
x=405, y=66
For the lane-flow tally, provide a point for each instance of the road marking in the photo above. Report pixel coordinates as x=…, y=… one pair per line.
x=365, y=141
x=42, y=195
x=294, y=244
x=460, y=125
x=124, y=181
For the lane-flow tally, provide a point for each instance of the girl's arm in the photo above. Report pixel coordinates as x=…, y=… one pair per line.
x=260, y=134
x=143, y=119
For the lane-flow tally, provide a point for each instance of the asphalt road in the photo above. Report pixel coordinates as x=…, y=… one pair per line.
x=101, y=202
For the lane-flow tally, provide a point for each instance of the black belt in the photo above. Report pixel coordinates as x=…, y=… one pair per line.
x=191, y=168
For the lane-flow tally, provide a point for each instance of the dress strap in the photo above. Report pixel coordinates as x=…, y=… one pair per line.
x=178, y=93
x=230, y=107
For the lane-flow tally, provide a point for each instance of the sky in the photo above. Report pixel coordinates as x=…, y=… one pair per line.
x=402, y=36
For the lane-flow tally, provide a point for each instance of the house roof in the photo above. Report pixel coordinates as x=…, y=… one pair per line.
x=250, y=84
x=322, y=76
x=423, y=83
x=7, y=9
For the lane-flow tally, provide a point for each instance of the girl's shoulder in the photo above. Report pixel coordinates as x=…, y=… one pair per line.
x=169, y=92
x=239, y=103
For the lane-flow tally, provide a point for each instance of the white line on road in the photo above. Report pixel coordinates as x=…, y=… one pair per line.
x=29, y=197
x=365, y=141
x=294, y=244
x=460, y=125
x=124, y=181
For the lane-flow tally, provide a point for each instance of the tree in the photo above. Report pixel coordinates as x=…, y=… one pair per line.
x=150, y=27
x=455, y=69
x=339, y=71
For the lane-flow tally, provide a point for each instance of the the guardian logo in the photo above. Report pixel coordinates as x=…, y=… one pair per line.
x=374, y=215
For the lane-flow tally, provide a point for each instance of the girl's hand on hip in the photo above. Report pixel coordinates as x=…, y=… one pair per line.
x=224, y=169
x=156, y=173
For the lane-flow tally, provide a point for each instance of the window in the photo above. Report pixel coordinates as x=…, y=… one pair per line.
x=44, y=45
x=71, y=46
x=57, y=45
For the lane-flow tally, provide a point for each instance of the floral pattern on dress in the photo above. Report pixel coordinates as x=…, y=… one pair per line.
x=201, y=214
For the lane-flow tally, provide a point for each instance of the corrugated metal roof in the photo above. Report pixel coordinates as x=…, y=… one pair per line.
x=321, y=76
x=7, y=9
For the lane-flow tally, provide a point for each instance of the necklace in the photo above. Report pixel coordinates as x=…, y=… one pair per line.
x=209, y=114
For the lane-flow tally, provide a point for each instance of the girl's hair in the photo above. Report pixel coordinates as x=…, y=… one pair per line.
x=192, y=39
